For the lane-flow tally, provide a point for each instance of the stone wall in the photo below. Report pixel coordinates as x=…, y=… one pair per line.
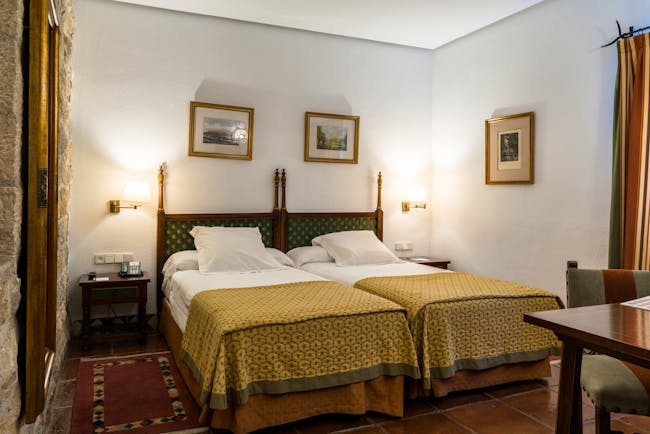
x=66, y=22
x=12, y=17
x=11, y=125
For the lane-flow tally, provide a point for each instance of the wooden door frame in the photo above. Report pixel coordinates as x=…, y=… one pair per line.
x=41, y=203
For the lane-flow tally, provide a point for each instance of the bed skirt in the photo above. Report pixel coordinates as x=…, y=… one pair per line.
x=384, y=394
x=468, y=379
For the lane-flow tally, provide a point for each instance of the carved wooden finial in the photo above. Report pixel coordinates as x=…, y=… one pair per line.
x=277, y=184
x=161, y=180
x=379, y=182
x=284, y=189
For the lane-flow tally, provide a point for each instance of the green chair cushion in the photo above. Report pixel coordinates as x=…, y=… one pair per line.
x=613, y=386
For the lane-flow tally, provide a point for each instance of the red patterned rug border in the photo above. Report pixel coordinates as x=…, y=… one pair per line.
x=95, y=367
x=99, y=425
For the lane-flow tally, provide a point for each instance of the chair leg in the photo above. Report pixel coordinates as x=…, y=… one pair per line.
x=602, y=421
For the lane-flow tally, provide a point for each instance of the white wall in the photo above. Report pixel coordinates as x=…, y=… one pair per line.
x=546, y=59
x=135, y=71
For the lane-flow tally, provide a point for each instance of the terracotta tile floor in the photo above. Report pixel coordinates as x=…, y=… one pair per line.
x=526, y=408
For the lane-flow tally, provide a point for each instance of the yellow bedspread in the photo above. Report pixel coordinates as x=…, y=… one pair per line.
x=292, y=337
x=464, y=321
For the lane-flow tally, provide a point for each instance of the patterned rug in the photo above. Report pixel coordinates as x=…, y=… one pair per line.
x=143, y=394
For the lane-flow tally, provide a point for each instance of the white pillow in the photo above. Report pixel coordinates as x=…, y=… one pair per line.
x=355, y=248
x=189, y=260
x=309, y=254
x=182, y=260
x=281, y=257
x=231, y=249
x=179, y=261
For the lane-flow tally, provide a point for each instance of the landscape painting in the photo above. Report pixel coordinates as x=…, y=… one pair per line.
x=224, y=131
x=221, y=131
x=331, y=138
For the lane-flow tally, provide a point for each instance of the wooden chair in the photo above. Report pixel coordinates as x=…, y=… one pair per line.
x=612, y=385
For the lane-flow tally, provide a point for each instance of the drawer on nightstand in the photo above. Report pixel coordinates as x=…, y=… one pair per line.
x=114, y=293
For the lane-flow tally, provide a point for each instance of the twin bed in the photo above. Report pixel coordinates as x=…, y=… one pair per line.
x=261, y=342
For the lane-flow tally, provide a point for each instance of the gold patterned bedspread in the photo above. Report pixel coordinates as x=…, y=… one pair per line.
x=292, y=337
x=464, y=321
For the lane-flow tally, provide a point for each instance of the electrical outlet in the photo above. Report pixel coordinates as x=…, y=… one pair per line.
x=99, y=259
x=109, y=258
x=404, y=245
x=119, y=257
x=127, y=256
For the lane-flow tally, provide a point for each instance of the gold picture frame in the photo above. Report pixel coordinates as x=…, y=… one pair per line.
x=221, y=131
x=331, y=138
x=509, y=149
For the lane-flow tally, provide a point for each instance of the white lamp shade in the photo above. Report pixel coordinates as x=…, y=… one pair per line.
x=136, y=192
x=417, y=194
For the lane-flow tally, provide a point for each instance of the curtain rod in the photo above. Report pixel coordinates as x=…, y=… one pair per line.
x=625, y=35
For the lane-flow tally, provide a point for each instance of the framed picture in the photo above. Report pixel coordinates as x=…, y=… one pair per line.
x=509, y=149
x=331, y=138
x=221, y=131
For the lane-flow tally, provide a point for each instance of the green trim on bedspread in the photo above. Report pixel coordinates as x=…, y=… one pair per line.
x=233, y=396
x=492, y=362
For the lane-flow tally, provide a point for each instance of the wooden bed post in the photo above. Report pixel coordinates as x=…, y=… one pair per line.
x=284, y=221
x=160, y=241
x=379, y=213
x=284, y=190
x=277, y=184
x=277, y=214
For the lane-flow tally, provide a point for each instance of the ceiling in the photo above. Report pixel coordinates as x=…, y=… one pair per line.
x=417, y=23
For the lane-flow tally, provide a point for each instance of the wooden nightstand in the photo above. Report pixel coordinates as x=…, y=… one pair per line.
x=114, y=290
x=431, y=262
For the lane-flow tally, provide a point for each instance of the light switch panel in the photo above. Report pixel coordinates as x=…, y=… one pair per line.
x=404, y=245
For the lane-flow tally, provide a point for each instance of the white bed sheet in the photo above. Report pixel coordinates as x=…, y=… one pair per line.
x=184, y=285
x=351, y=274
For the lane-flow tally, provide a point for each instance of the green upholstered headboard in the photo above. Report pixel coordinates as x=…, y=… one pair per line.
x=298, y=229
x=301, y=228
x=173, y=233
x=279, y=228
x=177, y=231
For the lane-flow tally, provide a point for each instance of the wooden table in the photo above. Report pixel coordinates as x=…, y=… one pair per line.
x=431, y=262
x=112, y=291
x=618, y=331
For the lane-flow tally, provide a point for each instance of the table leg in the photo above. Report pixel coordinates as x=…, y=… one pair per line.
x=142, y=328
x=569, y=406
x=85, y=326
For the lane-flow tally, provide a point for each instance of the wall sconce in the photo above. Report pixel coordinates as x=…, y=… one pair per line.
x=135, y=192
x=417, y=198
